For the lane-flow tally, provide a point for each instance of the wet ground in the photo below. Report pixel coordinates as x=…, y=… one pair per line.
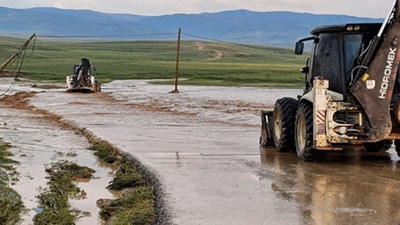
x=202, y=144
x=37, y=142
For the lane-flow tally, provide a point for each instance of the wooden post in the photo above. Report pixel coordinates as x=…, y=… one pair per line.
x=177, y=62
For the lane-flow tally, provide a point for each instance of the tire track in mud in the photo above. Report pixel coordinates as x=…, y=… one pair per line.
x=21, y=101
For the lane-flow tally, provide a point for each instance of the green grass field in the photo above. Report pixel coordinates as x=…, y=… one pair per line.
x=202, y=63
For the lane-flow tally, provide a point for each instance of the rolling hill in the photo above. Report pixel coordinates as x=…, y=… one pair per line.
x=240, y=26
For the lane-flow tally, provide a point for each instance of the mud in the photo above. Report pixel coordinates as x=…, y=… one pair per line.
x=201, y=148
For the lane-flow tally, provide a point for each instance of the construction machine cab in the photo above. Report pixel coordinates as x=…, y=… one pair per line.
x=336, y=54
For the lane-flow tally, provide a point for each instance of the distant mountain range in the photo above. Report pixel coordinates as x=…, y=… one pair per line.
x=239, y=26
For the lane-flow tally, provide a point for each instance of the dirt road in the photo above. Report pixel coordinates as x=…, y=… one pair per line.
x=202, y=144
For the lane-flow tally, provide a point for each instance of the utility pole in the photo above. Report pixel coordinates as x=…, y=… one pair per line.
x=5, y=64
x=177, y=62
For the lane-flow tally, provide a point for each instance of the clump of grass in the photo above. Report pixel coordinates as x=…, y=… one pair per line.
x=11, y=203
x=70, y=169
x=135, y=207
x=72, y=154
x=53, y=202
x=105, y=153
x=5, y=154
x=55, y=209
x=63, y=154
x=137, y=204
x=126, y=176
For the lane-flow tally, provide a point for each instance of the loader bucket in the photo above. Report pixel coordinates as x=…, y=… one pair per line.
x=266, y=138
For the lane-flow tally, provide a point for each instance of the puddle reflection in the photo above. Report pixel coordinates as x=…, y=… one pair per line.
x=350, y=187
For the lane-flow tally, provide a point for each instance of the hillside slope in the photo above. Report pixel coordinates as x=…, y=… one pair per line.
x=242, y=26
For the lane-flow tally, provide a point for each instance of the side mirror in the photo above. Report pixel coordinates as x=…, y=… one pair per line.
x=299, y=48
x=305, y=70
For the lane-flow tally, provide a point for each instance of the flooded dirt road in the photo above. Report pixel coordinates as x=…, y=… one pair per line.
x=37, y=142
x=202, y=145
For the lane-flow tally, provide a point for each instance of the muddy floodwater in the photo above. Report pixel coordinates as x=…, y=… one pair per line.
x=202, y=145
x=36, y=143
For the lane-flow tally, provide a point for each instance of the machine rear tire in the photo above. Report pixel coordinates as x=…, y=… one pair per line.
x=397, y=145
x=304, y=133
x=379, y=146
x=283, y=124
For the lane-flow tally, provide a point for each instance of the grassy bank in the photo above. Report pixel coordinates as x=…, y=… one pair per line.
x=137, y=204
x=206, y=63
x=10, y=201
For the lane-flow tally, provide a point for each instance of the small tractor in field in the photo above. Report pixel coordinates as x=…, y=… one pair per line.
x=351, y=95
x=83, y=78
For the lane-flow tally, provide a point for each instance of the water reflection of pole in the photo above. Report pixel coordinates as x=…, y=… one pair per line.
x=177, y=62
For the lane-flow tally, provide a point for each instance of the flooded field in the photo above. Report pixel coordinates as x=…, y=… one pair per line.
x=233, y=105
x=202, y=146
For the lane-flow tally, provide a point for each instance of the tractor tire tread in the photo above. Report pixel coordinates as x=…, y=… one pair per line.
x=307, y=154
x=287, y=107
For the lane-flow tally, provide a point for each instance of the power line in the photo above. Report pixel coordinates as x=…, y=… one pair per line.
x=227, y=42
x=104, y=36
x=156, y=34
x=18, y=65
x=209, y=39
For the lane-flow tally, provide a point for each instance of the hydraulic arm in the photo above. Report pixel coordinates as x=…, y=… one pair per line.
x=374, y=83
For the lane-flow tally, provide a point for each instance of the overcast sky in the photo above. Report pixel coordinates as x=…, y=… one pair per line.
x=363, y=8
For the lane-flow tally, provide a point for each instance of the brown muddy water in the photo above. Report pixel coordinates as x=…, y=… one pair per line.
x=37, y=142
x=202, y=145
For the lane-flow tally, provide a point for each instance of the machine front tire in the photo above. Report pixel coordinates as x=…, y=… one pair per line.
x=304, y=133
x=96, y=86
x=283, y=124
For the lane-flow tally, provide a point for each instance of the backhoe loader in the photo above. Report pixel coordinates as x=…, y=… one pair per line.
x=351, y=93
x=83, y=78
